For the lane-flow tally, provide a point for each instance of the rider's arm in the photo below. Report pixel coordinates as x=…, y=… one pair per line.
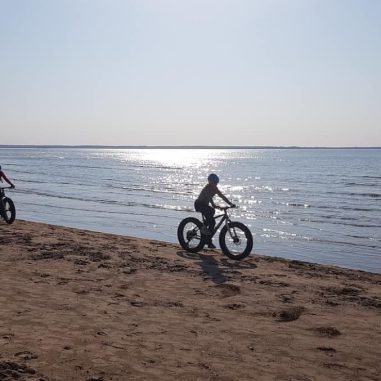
x=2, y=176
x=224, y=198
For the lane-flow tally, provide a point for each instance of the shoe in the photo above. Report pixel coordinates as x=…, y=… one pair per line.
x=211, y=245
x=205, y=230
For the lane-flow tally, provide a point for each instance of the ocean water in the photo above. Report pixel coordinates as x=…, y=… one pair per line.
x=319, y=205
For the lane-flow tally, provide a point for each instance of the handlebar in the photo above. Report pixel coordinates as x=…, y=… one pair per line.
x=227, y=207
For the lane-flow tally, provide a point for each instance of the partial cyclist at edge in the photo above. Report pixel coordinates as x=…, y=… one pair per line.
x=203, y=202
x=7, y=207
x=3, y=176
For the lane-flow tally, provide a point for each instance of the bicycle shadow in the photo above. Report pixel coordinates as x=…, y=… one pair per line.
x=215, y=268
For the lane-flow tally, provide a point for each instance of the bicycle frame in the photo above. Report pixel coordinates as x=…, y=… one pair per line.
x=2, y=194
x=225, y=218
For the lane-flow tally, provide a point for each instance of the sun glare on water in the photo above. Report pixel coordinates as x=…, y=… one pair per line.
x=174, y=158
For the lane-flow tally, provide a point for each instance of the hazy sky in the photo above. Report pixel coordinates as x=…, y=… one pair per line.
x=213, y=72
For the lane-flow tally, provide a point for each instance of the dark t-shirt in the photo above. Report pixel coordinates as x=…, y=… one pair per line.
x=207, y=194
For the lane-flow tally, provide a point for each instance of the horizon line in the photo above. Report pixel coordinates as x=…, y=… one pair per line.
x=98, y=146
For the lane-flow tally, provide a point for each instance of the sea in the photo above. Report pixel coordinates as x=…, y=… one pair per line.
x=316, y=205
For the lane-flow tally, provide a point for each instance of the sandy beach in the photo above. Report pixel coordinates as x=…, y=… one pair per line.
x=80, y=305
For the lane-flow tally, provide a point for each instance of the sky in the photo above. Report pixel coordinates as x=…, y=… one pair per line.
x=200, y=72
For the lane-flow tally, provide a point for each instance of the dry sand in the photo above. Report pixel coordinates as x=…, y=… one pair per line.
x=79, y=305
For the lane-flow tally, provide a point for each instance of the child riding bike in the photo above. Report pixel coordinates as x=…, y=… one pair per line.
x=202, y=205
x=3, y=176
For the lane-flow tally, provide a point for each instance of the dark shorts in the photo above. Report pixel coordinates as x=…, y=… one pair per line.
x=207, y=211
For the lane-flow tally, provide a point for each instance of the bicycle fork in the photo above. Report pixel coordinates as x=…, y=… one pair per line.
x=232, y=232
x=2, y=206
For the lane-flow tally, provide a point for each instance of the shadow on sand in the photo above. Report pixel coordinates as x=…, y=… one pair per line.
x=215, y=268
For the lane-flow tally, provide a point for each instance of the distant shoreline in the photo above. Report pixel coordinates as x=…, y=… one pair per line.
x=171, y=147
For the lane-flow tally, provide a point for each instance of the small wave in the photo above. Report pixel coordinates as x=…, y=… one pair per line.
x=252, y=201
x=362, y=194
x=33, y=181
x=375, y=195
x=371, y=177
x=273, y=233
x=51, y=195
x=360, y=209
x=146, y=205
x=334, y=208
x=98, y=211
x=361, y=184
x=297, y=204
x=344, y=243
x=171, y=207
x=356, y=225
x=154, y=166
x=327, y=220
x=169, y=190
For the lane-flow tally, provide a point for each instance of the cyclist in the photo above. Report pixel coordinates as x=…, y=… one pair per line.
x=3, y=176
x=202, y=205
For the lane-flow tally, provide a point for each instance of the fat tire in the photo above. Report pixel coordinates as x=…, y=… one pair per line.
x=249, y=238
x=180, y=235
x=11, y=208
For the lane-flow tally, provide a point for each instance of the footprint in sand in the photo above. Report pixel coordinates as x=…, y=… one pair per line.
x=346, y=291
x=273, y=283
x=81, y=262
x=294, y=378
x=6, y=338
x=286, y=298
x=290, y=314
x=63, y=281
x=26, y=355
x=326, y=331
x=332, y=365
x=47, y=255
x=234, y=306
x=226, y=290
x=328, y=350
x=136, y=303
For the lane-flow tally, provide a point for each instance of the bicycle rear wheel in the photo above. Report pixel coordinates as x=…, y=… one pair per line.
x=236, y=242
x=9, y=213
x=189, y=235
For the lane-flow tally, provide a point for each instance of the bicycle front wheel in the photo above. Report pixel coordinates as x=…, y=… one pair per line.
x=189, y=235
x=9, y=213
x=236, y=240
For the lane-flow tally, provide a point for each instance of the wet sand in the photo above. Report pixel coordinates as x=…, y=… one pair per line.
x=79, y=305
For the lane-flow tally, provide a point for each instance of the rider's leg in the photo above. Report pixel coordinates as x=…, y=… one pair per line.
x=208, y=213
x=210, y=222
